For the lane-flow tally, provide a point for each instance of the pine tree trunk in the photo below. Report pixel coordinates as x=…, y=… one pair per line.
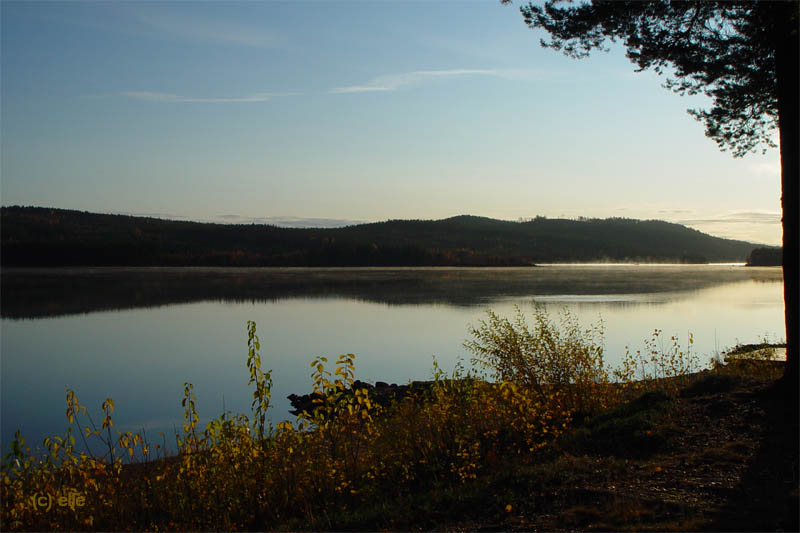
x=787, y=70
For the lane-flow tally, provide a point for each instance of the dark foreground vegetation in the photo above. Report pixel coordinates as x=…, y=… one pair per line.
x=549, y=439
x=34, y=236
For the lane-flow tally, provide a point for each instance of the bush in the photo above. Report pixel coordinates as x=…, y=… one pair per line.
x=544, y=358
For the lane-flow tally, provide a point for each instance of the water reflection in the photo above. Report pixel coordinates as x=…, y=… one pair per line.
x=174, y=325
x=37, y=293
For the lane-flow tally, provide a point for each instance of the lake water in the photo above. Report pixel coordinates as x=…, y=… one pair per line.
x=137, y=335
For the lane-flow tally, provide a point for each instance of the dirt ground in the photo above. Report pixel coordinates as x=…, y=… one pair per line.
x=731, y=464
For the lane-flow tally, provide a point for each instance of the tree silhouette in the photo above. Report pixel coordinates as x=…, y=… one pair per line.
x=744, y=55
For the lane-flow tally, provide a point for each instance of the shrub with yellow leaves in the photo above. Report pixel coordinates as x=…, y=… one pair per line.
x=560, y=364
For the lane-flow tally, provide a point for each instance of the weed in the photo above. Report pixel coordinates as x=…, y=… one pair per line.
x=634, y=429
x=661, y=365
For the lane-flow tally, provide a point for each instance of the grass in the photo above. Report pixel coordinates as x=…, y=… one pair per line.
x=557, y=445
x=638, y=428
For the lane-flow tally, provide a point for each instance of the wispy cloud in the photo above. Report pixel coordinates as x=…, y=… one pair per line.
x=168, y=97
x=772, y=169
x=742, y=217
x=674, y=211
x=752, y=226
x=389, y=82
x=393, y=82
x=193, y=27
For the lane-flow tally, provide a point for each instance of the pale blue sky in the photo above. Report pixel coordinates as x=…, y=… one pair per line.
x=354, y=111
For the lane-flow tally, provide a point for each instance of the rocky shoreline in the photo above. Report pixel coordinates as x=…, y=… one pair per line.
x=381, y=393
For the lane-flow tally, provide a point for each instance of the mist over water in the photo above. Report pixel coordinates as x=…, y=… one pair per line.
x=137, y=335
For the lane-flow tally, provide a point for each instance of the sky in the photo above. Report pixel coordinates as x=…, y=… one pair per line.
x=329, y=113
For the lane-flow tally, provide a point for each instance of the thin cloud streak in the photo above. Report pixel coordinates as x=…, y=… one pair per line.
x=393, y=82
x=673, y=211
x=195, y=28
x=744, y=217
x=149, y=96
x=766, y=169
x=751, y=226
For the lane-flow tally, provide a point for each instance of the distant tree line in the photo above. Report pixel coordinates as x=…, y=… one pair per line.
x=767, y=256
x=33, y=236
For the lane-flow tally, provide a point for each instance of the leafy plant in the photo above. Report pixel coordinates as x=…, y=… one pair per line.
x=544, y=358
x=659, y=364
x=263, y=381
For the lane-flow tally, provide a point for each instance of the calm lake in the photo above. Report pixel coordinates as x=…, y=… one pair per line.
x=137, y=334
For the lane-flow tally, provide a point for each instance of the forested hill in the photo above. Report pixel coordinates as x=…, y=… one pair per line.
x=34, y=236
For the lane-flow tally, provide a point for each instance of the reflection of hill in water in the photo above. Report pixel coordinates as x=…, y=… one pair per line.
x=36, y=293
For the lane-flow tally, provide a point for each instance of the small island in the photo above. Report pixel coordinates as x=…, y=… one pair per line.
x=766, y=256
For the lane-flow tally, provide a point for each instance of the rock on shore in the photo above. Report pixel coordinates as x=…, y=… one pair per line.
x=381, y=393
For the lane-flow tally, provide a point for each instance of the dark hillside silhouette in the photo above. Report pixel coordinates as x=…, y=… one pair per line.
x=34, y=236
